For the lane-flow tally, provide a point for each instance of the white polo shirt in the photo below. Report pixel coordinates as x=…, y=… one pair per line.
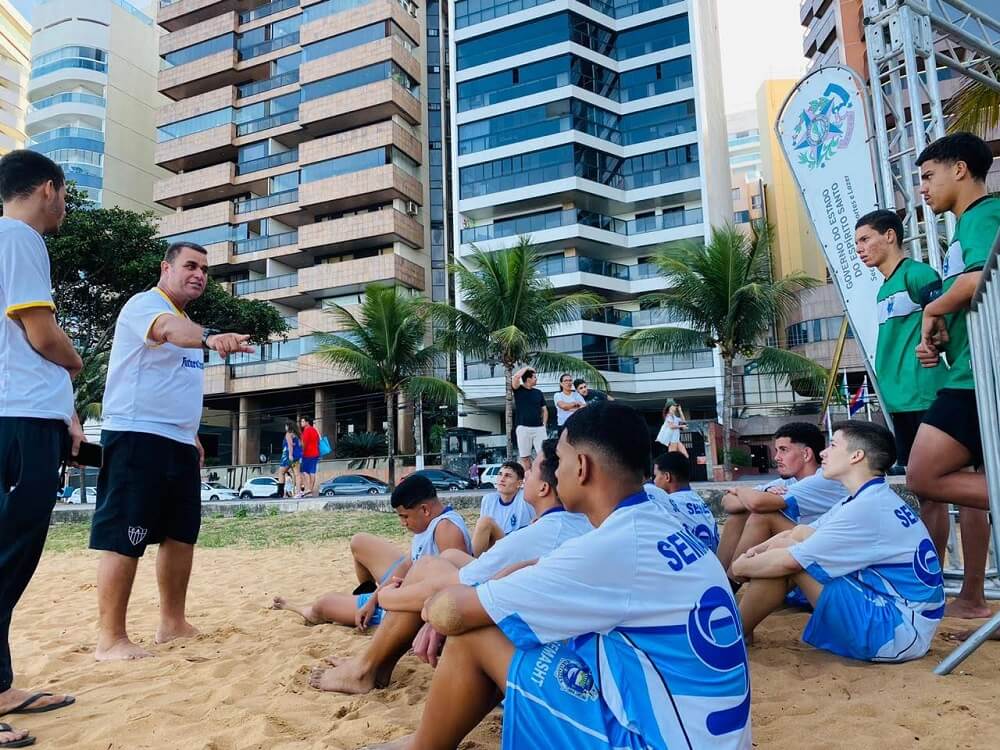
x=152, y=388
x=30, y=385
x=566, y=398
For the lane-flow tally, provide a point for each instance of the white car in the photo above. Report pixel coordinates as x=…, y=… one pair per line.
x=212, y=492
x=259, y=487
x=488, y=476
x=76, y=499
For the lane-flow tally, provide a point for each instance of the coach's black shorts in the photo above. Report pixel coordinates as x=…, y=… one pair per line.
x=905, y=425
x=149, y=489
x=954, y=412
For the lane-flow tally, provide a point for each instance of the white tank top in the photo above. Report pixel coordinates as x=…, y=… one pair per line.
x=424, y=544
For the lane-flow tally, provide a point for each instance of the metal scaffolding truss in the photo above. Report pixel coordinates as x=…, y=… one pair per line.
x=906, y=41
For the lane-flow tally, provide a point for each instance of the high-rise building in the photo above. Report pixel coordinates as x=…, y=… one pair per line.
x=598, y=129
x=15, y=53
x=93, y=96
x=744, y=167
x=307, y=144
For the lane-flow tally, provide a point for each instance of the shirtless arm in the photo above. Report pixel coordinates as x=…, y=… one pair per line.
x=448, y=536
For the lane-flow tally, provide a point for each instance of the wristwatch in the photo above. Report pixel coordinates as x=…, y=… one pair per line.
x=205, y=333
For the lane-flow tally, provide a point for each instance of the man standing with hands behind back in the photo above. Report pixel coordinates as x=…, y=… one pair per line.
x=149, y=489
x=37, y=360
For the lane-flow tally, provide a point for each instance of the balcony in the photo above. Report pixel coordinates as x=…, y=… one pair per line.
x=283, y=289
x=359, y=106
x=179, y=14
x=361, y=232
x=199, y=76
x=368, y=187
x=212, y=215
x=352, y=276
x=288, y=198
x=267, y=162
x=259, y=244
x=373, y=11
x=205, y=185
x=197, y=150
x=267, y=123
x=247, y=90
x=245, y=53
x=275, y=6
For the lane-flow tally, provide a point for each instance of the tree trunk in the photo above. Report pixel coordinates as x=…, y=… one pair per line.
x=418, y=430
x=508, y=376
x=390, y=420
x=727, y=417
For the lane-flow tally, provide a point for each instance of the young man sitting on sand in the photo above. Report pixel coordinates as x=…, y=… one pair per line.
x=502, y=512
x=435, y=528
x=868, y=566
x=802, y=494
x=625, y=637
x=373, y=668
x=672, y=485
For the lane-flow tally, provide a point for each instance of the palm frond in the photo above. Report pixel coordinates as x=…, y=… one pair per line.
x=975, y=107
x=557, y=363
x=807, y=377
x=661, y=340
x=435, y=390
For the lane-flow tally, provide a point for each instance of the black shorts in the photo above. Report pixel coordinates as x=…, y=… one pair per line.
x=954, y=412
x=149, y=489
x=905, y=425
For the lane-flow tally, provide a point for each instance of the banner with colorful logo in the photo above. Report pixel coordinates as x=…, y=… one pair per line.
x=824, y=132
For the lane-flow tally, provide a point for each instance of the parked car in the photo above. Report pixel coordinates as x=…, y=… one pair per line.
x=446, y=480
x=488, y=476
x=75, y=498
x=214, y=491
x=259, y=487
x=353, y=484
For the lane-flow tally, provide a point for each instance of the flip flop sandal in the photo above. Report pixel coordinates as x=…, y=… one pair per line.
x=24, y=707
x=23, y=742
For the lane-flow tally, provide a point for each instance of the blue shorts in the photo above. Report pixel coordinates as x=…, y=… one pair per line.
x=552, y=701
x=853, y=622
x=379, y=612
x=309, y=465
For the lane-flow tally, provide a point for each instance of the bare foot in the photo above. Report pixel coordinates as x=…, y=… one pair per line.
x=964, y=635
x=121, y=650
x=348, y=678
x=10, y=735
x=12, y=698
x=305, y=611
x=166, y=633
x=966, y=610
x=338, y=661
x=401, y=744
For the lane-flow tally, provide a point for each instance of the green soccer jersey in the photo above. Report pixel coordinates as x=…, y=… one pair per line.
x=974, y=237
x=904, y=384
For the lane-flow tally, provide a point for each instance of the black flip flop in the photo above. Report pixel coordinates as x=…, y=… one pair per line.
x=69, y=700
x=23, y=742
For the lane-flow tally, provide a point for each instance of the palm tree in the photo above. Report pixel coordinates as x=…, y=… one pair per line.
x=383, y=347
x=976, y=107
x=724, y=296
x=508, y=308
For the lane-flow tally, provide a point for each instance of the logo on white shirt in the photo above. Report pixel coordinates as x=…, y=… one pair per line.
x=192, y=364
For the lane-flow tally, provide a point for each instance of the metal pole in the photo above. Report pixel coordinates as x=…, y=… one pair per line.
x=831, y=381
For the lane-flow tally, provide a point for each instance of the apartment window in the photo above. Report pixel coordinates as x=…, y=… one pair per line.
x=671, y=32
x=358, y=162
x=196, y=124
x=651, y=80
x=737, y=194
x=356, y=38
x=87, y=58
x=200, y=50
x=660, y=122
x=360, y=77
x=755, y=202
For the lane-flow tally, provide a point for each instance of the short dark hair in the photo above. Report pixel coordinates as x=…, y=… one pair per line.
x=676, y=464
x=874, y=439
x=564, y=375
x=550, y=462
x=961, y=146
x=578, y=382
x=174, y=249
x=515, y=467
x=412, y=491
x=529, y=373
x=882, y=220
x=616, y=430
x=310, y=420
x=803, y=433
x=23, y=171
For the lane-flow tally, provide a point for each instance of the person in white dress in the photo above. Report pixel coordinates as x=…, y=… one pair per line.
x=670, y=432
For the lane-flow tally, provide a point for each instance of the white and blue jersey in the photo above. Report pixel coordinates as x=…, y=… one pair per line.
x=883, y=596
x=692, y=511
x=626, y=637
x=552, y=528
x=424, y=542
x=508, y=516
x=811, y=497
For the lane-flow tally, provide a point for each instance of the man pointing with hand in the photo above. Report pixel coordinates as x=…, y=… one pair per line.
x=149, y=489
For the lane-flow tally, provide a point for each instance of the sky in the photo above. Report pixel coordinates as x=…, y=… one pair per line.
x=25, y=7
x=760, y=39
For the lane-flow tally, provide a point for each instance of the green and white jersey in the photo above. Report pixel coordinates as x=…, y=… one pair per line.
x=905, y=385
x=974, y=237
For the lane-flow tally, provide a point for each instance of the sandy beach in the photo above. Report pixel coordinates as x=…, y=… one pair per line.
x=243, y=683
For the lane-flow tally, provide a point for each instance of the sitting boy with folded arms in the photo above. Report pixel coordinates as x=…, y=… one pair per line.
x=672, y=485
x=867, y=566
x=625, y=637
x=373, y=668
x=435, y=528
x=502, y=512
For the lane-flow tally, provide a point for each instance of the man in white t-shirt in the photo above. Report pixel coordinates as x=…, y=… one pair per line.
x=38, y=424
x=373, y=667
x=625, y=637
x=567, y=400
x=502, y=512
x=868, y=566
x=801, y=495
x=149, y=488
x=672, y=482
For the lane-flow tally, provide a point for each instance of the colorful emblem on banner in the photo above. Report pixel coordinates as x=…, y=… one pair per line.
x=824, y=126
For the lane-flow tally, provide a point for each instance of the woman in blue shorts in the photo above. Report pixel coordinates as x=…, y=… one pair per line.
x=291, y=457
